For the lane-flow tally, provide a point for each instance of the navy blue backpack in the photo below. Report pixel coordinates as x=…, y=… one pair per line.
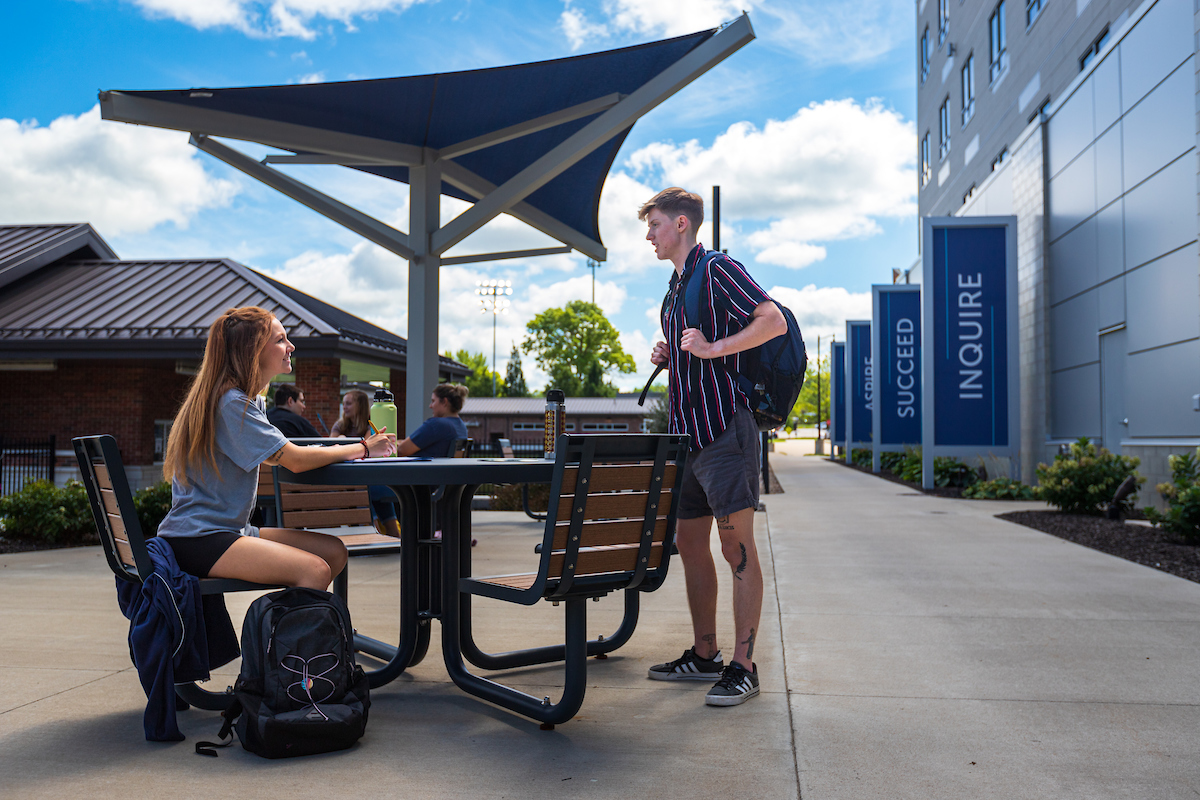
x=771, y=374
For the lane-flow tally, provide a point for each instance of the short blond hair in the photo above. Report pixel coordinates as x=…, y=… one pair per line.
x=675, y=202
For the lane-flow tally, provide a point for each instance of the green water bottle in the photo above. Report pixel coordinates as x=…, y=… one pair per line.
x=383, y=411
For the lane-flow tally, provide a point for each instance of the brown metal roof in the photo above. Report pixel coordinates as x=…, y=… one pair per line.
x=24, y=249
x=501, y=406
x=162, y=309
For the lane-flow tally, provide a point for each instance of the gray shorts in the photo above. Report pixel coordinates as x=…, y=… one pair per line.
x=723, y=477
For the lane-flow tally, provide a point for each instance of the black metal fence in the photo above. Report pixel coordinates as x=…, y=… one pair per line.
x=527, y=449
x=22, y=459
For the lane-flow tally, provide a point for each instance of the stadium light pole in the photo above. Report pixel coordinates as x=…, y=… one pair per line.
x=492, y=297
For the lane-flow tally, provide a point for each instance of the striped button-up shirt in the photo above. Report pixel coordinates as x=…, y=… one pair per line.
x=702, y=392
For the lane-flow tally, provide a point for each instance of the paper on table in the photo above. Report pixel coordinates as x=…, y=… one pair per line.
x=393, y=459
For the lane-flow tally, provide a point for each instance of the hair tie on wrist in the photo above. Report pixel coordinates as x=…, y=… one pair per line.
x=366, y=449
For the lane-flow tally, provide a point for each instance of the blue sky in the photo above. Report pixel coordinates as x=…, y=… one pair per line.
x=808, y=130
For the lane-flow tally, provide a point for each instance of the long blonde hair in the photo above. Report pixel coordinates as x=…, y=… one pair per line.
x=362, y=415
x=231, y=361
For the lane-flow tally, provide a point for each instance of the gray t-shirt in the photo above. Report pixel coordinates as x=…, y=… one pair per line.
x=209, y=504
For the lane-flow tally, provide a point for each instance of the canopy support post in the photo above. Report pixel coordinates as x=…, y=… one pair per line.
x=425, y=185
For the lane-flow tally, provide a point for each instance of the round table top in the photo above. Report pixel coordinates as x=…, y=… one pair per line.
x=427, y=472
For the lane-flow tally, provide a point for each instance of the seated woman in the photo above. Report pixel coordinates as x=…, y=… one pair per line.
x=220, y=437
x=356, y=414
x=433, y=437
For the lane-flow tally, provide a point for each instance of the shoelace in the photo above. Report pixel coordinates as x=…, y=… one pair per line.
x=730, y=677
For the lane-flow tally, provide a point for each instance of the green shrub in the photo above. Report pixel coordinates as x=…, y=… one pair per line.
x=862, y=457
x=892, y=462
x=42, y=512
x=1182, y=495
x=999, y=489
x=911, y=468
x=152, y=504
x=950, y=472
x=1084, y=480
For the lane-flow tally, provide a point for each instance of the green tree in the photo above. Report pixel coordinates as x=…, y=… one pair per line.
x=514, y=376
x=479, y=382
x=658, y=408
x=578, y=347
x=806, y=403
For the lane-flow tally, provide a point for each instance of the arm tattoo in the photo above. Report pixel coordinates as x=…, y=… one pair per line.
x=741, y=567
x=750, y=644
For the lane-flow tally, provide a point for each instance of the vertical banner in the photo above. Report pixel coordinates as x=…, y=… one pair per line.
x=837, y=395
x=896, y=355
x=860, y=386
x=970, y=325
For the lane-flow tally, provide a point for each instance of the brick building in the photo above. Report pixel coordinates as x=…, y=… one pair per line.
x=520, y=419
x=93, y=344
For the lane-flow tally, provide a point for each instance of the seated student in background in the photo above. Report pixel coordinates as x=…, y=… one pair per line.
x=356, y=413
x=287, y=415
x=433, y=437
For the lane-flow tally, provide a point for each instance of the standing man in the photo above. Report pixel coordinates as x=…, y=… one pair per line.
x=287, y=415
x=721, y=478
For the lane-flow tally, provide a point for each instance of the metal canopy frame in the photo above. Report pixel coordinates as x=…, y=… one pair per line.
x=427, y=238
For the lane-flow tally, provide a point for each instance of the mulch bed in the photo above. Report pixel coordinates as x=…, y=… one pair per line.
x=1140, y=544
x=17, y=546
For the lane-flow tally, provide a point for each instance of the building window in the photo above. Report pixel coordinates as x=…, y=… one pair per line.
x=967, y=195
x=926, y=167
x=999, y=159
x=968, y=89
x=925, y=54
x=943, y=20
x=1093, y=51
x=944, y=128
x=528, y=426
x=592, y=427
x=162, y=431
x=1032, y=9
x=998, y=55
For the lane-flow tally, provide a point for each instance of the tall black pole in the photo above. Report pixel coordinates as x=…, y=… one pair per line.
x=716, y=218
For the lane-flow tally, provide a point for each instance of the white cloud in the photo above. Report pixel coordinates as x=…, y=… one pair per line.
x=837, y=33
x=262, y=19
x=312, y=77
x=120, y=178
x=823, y=312
x=578, y=28
x=824, y=174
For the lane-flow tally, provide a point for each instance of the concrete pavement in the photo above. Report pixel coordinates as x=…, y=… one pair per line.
x=910, y=647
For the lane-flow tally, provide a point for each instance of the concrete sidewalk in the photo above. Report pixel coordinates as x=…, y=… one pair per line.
x=910, y=647
x=933, y=651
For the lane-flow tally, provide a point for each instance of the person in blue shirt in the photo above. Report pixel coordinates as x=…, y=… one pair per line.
x=220, y=437
x=433, y=437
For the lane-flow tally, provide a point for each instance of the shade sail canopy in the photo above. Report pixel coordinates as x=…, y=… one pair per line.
x=444, y=110
x=532, y=140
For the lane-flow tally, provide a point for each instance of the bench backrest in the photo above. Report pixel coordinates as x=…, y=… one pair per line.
x=460, y=448
x=103, y=475
x=303, y=505
x=611, y=516
x=506, y=450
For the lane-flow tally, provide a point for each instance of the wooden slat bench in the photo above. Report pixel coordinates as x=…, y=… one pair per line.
x=610, y=526
x=103, y=475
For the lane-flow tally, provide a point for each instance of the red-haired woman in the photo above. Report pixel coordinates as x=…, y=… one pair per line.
x=220, y=437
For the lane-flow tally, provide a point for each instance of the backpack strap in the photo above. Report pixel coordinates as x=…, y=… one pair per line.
x=691, y=311
x=229, y=716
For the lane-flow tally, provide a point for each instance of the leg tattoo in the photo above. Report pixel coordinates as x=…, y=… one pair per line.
x=711, y=638
x=741, y=567
x=750, y=645
x=723, y=523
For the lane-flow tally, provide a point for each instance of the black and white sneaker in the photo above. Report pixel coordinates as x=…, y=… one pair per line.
x=736, y=686
x=689, y=667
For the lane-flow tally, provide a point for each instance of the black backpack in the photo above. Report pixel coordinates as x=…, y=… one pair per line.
x=300, y=691
x=771, y=374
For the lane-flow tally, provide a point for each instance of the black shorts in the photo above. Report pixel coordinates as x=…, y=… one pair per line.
x=196, y=555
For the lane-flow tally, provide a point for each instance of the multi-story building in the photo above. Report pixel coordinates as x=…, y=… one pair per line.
x=1079, y=117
